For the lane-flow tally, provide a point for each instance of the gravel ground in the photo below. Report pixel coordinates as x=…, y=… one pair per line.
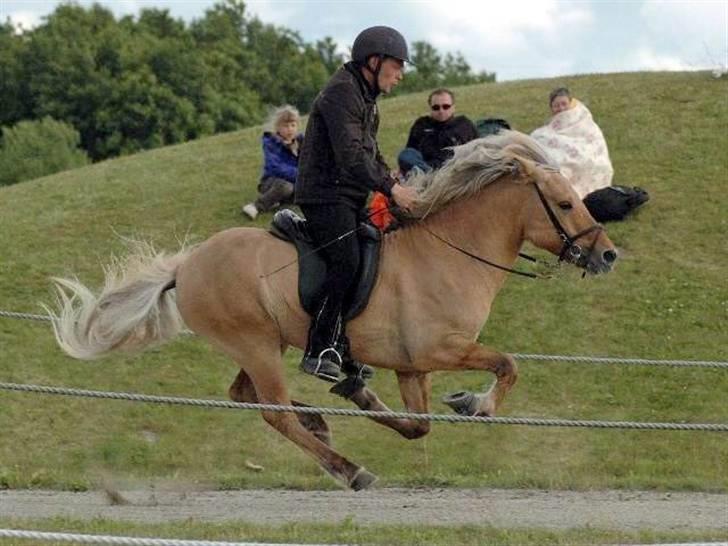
x=623, y=510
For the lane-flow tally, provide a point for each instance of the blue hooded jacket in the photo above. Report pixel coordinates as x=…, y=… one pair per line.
x=279, y=161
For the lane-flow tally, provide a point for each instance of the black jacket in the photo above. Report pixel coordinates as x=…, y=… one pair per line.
x=340, y=160
x=432, y=137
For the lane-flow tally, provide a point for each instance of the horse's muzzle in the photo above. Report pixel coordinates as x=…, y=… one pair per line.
x=597, y=262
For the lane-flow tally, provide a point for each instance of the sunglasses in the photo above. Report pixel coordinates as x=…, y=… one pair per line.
x=436, y=107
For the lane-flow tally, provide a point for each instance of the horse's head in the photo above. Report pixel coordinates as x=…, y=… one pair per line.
x=556, y=220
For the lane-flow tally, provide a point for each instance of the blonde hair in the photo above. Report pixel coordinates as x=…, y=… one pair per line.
x=280, y=115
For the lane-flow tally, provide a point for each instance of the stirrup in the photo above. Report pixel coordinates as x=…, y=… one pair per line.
x=322, y=367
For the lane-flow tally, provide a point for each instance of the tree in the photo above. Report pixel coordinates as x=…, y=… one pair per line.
x=152, y=80
x=327, y=52
x=32, y=149
x=431, y=70
x=13, y=85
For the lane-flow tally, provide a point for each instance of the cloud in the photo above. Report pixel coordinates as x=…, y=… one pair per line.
x=510, y=38
x=695, y=32
x=24, y=20
x=647, y=59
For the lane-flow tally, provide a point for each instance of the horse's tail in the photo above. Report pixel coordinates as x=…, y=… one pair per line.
x=134, y=310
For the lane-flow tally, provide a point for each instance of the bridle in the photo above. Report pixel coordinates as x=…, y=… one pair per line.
x=570, y=252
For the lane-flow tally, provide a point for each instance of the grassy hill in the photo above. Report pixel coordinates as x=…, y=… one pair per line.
x=668, y=298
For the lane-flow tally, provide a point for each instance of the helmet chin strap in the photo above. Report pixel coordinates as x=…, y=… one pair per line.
x=375, y=74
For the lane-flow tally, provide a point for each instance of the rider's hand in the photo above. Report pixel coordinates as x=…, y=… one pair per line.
x=404, y=196
x=396, y=175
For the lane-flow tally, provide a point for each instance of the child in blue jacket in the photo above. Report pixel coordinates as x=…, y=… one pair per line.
x=281, y=144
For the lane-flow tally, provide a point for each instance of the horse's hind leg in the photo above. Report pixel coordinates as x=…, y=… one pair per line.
x=242, y=390
x=415, y=390
x=263, y=367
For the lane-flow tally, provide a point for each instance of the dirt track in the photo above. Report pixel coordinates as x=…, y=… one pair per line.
x=625, y=510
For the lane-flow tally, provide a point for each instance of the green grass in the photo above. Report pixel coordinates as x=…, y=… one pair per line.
x=349, y=532
x=668, y=298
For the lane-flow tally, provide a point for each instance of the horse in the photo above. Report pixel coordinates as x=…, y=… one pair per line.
x=437, y=279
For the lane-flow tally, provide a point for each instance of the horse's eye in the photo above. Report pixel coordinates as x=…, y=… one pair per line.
x=565, y=205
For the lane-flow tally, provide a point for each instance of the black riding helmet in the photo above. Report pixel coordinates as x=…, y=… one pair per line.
x=382, y=42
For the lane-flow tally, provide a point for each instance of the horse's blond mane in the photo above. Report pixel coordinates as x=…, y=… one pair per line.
x=473, y=166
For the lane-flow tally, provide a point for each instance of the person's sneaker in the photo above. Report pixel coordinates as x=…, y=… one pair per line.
x=321, y=366
x=250, y=210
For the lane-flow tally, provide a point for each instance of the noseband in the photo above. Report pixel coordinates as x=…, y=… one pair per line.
x=570, y=251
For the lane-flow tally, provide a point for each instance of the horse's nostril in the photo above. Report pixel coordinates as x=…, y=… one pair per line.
x=609, y=256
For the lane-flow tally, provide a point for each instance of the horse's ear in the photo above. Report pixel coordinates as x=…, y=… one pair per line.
x=525, y=169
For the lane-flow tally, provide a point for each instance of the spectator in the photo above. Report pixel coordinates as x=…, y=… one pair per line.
x=431, y=136
x=281, y=144
x=576, y=143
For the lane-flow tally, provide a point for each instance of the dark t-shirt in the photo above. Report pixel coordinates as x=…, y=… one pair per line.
x=432, y=137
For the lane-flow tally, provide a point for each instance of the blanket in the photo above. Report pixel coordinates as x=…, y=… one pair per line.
x=576, y=144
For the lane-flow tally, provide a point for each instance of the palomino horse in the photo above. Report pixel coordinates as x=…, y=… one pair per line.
x=431, y=299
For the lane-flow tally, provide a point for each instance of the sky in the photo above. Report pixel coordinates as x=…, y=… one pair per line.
x=516, y=39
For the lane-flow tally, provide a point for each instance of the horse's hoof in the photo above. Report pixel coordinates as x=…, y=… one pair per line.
x=463, y=402
x=362, y=479
x=347, y=387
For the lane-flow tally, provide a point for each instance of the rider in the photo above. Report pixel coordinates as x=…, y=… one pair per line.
x=339, y=165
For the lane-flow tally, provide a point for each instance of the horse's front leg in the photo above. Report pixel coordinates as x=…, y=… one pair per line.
x=473, y=356
x=415, y=390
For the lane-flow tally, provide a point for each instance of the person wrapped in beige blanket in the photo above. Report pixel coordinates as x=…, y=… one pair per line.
x=576, y=143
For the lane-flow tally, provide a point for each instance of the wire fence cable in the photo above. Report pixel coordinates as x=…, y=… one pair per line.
x=125, y=541
x=207, y=403
x=520, y=356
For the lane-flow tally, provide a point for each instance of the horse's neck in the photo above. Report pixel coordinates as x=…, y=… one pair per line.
x=486, y=225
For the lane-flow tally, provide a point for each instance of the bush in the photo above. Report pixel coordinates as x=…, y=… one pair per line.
x=31, y=149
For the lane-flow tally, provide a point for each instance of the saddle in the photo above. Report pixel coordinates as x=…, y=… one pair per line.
x=289, y=226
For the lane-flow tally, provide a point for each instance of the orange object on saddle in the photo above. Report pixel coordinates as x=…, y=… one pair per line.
x=379, y=211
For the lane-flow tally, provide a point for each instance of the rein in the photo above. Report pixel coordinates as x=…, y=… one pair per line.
x=483, y=260
x=570, y=251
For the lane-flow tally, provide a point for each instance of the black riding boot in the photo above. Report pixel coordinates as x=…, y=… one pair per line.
x=322, y=357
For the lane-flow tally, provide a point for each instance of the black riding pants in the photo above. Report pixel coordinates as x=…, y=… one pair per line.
x=326, y=223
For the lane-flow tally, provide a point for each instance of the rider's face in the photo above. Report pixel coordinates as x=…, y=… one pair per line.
x=391, y=74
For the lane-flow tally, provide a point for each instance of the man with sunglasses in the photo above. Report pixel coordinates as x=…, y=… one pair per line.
x=431, y=136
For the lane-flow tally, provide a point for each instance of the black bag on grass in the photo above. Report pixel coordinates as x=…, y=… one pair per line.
x=490, y=126
x=614, y=202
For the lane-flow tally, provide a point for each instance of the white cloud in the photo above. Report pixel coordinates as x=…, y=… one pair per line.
x=24, y=20
x=647, y=59
x=697, y=31
x=505, y=24
x=510, y=37
x=277, y=13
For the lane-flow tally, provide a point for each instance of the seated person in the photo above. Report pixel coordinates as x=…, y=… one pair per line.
x=281, y=143
x=432, y=135
x=576, y=143
x=427, y=147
